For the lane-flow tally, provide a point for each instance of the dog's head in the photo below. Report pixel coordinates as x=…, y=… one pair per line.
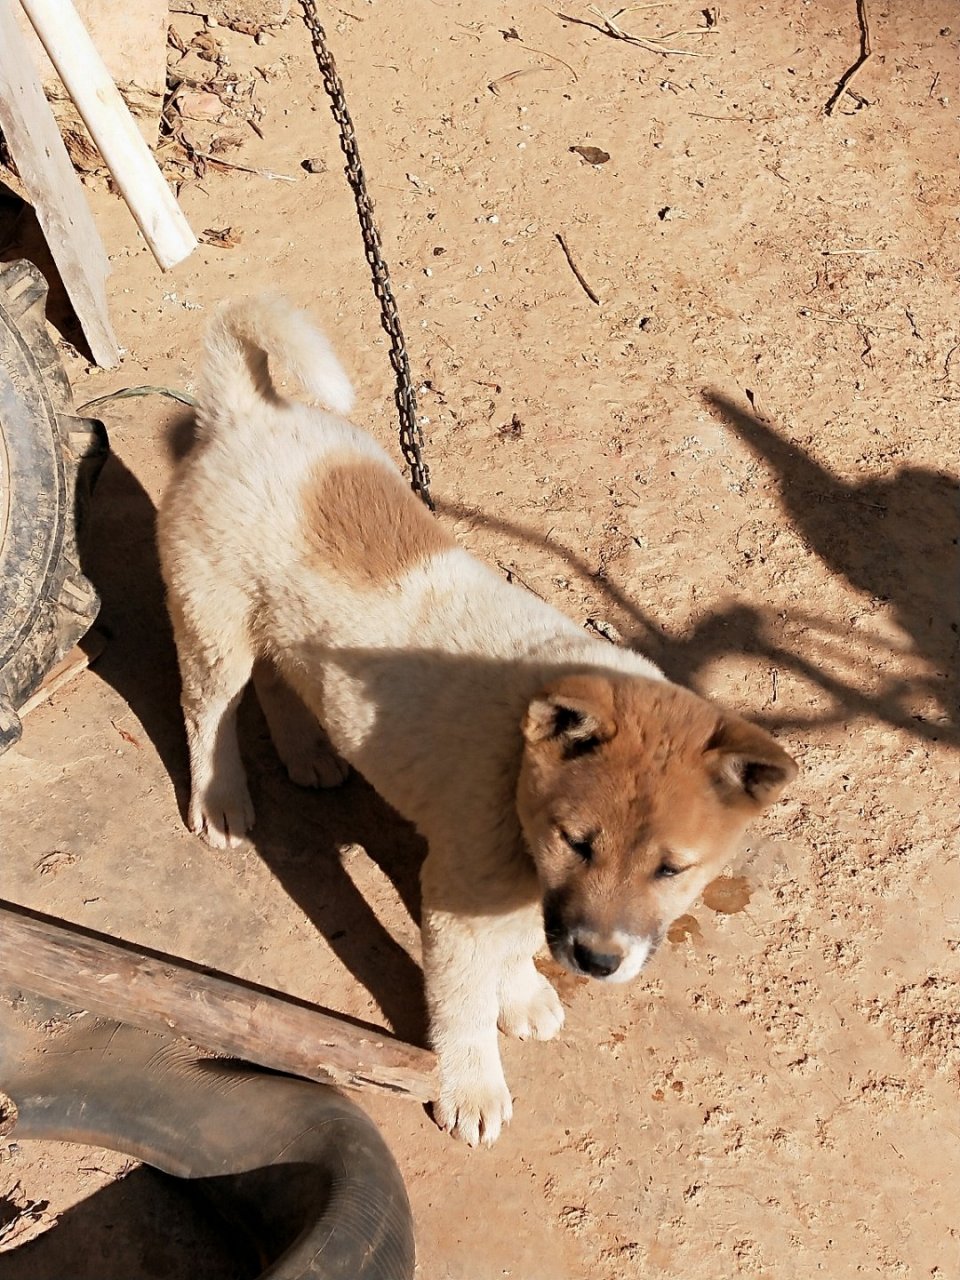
x=633, y=794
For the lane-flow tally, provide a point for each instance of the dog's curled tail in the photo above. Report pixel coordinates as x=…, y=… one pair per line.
x=241, y=338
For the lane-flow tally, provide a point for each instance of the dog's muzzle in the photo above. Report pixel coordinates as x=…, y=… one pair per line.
x=614, y=957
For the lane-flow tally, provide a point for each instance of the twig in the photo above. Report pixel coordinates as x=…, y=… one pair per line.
x=229, y=164
x=847, y=78
x=836, y=253
x=183, y=396
x=576, y=270
x=857, y=321
x=807, y=314
x=494, y=85
x=946, y=363
x=653, y=44
x=512, y=576
x=544, y=54
x=702, y=115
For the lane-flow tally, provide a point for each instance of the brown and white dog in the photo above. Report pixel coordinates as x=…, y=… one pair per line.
x=563, y=785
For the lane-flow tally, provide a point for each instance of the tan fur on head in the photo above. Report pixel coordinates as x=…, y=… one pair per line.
x=632, y=796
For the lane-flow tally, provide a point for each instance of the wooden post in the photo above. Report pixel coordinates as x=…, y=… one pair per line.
x=111, y=126
x=54, y=190
x=159, y=993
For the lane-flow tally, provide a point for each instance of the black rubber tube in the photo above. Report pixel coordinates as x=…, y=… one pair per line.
x=298, y=1168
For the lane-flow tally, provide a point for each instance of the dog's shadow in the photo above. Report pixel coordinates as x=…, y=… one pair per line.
x=300, y=834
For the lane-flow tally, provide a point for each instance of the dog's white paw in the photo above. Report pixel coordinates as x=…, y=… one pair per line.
x=221, y=818
x=319, y=767
x=474, y=1108
x=531, y=1010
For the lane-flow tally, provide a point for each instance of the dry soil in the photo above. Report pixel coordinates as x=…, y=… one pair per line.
x=743, y=457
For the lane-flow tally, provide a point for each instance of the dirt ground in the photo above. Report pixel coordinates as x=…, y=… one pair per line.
x=777, y=1095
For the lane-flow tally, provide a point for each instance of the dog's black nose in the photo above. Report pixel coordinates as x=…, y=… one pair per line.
x=597, y=963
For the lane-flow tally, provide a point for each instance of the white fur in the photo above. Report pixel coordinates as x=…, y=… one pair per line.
x=636, y=952
x=422, y=686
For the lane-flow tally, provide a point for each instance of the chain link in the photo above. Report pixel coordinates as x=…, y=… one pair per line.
x=411, y=437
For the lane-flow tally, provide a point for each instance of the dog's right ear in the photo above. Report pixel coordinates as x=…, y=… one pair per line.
x=577, y=712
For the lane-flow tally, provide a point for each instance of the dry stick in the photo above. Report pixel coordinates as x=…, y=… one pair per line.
x=245, y=168
x=946, y=364
x=493, y=86
x=160, y=993
x=544, y=54
x=865, y=51
x=653, y=44
x=702, y=115
x=576, y=270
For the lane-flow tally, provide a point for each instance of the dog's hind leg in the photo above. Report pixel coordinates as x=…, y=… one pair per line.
x=216, y=660
x=297, y=734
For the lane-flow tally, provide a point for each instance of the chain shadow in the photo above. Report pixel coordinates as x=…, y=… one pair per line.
x=896, y=538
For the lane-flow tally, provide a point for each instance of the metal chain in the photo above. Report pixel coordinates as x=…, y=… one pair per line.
x=411, y=437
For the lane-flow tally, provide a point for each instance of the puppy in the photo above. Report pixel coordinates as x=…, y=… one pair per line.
x=565, y=788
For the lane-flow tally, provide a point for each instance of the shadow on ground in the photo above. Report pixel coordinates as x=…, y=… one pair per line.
x=146, y=1226
x=299, y=833
x=893, y=537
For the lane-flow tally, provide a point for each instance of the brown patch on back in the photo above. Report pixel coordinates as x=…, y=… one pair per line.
x=366, y=526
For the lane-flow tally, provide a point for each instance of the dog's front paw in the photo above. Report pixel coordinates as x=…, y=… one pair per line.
x=320, y=767
x=474, y=1108
x=221, y=818
x=531, y=1010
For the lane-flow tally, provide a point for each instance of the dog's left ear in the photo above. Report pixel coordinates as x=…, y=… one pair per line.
x=576, y=711
x=746, y=765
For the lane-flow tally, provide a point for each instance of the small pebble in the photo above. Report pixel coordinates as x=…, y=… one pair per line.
x=314, y=165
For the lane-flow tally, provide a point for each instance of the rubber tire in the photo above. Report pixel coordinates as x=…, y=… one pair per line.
x=298, y=1169
x=49, y=461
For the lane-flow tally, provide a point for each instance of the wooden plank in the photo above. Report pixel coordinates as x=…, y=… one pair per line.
x=54, y=190
x=66, y=670
x=160, y=993
x=104, y=112
x=132, y=40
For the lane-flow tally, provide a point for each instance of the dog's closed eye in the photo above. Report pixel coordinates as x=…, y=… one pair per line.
x=667, y=870
x=582, y=846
